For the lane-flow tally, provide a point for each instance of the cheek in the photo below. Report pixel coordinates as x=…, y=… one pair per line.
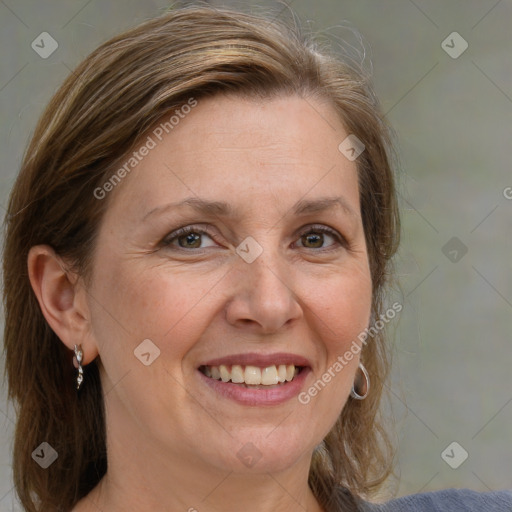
x=343, y=353
x=172, y=306
x=343, y=319
x=343, y=307
x=167, y=306
x=342, y=312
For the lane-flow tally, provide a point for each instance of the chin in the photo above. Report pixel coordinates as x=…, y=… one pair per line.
x=265, y=451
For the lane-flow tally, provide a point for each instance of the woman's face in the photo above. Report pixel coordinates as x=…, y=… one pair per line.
x=273, y=272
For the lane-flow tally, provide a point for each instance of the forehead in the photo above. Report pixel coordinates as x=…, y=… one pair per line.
x=242, y=151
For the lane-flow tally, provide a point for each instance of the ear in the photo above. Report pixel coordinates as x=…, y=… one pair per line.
x=62, y=298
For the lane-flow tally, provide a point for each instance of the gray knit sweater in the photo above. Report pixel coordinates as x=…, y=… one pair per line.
x=449, y=500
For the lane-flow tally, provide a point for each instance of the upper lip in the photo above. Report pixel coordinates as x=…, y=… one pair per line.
x=261, y=360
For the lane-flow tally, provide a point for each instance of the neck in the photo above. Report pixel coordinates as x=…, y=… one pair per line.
x=229, y=493
x=144, y=477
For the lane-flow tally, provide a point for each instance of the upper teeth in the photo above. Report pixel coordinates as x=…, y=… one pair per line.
x=252, y=374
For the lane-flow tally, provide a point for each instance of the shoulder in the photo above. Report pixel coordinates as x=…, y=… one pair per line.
x=448, y=500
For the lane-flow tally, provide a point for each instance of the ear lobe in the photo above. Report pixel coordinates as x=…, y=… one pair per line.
x=61, y=298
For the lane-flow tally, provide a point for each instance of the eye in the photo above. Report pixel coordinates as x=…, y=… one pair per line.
x=187, y=238
x=315, y=237
x=191, y=237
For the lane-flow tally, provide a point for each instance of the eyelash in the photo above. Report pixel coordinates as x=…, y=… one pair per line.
x=167, y=241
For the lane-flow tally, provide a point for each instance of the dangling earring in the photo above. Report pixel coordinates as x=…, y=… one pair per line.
x=362, y=391
x=79, y=355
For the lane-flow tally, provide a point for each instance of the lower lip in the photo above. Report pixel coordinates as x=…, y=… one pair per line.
x=247, y=396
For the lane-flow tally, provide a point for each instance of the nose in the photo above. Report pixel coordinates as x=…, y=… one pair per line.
x=263, y=300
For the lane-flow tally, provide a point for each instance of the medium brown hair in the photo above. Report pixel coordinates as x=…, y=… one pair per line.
x=98, y=115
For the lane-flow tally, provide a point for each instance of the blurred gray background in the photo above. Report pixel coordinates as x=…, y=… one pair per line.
x=451, y=107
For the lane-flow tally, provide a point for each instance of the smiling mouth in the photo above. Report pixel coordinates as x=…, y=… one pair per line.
x=252, y=376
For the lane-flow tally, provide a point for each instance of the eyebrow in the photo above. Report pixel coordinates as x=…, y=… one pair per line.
x=222, y=209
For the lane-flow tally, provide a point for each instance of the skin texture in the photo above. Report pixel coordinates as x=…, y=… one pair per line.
x=172, y=441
